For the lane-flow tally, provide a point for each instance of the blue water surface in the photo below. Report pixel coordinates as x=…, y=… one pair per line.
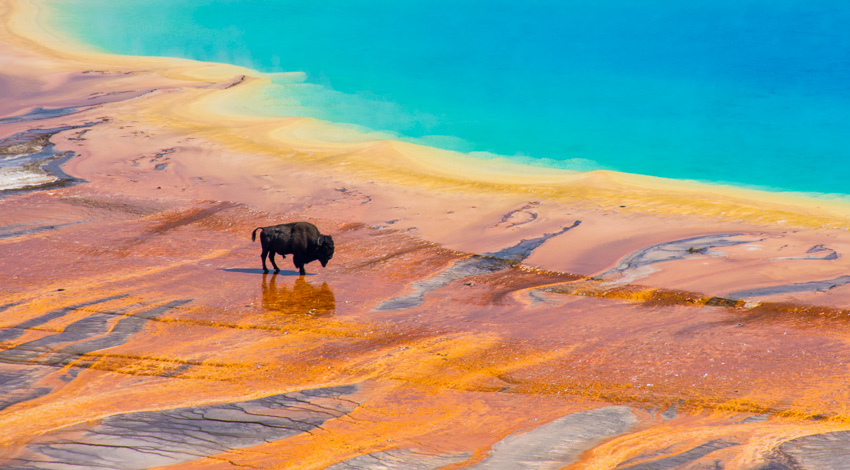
x=748, y=92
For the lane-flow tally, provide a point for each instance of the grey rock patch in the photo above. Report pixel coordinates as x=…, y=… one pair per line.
x=527, y=209
x=677, y=460
x=536, y=298
x=10, y=333
x=829, y=451
x=472, y=266
x=84, y=336
x=559, y=443
x=637, y=263
x=475, y=265
x=79, y=330
x=29, y=161
x=402, y=459
x=161, y=159
x=43, y=228
x=16, y=385
x=136, y=441
x=23, y=366
x=754, y=419
x=38, y=114
x=95, y=330
x=829, y=256
x=777, y=466
x=813, y=286
x=9, y=305
x=522, y=250
x=671, y=412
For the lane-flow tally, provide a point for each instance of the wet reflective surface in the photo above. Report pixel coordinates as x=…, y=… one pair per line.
x=142, y=360
x=296, y=298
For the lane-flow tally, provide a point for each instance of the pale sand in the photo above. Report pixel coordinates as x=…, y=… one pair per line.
x=216, y=101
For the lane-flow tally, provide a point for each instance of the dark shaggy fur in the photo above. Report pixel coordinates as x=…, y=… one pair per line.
x=300, y=239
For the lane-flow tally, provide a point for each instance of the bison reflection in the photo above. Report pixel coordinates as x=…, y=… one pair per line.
x=302, y=298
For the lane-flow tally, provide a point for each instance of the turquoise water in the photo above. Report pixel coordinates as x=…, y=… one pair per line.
x=753, y=93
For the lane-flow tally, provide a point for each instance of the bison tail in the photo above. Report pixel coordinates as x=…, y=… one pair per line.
x=254, y=233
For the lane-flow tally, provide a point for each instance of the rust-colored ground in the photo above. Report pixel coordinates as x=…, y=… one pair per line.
x=481, y=358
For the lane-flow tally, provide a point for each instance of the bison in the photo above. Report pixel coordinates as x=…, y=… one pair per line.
x=300, y=239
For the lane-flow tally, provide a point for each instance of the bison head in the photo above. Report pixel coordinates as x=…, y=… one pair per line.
x=325, y=249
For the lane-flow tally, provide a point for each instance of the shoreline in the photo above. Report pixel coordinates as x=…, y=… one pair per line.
x=406, y=163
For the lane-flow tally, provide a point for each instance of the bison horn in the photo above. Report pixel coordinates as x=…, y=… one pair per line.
x=320, y=240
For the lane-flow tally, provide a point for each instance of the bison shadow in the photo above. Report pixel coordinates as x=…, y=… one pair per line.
x=299, y=297
x=285, y=272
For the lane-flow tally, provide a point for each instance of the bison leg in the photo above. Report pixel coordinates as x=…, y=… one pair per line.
x=263, y=257
x=299, y=263
x=271, y=258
